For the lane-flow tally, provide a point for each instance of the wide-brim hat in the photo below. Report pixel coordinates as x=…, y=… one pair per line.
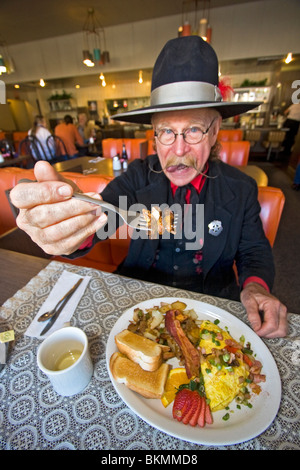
x=185, y=76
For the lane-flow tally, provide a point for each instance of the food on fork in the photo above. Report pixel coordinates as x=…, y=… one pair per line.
x=140, y=350
x=159, y=221
x=146, y=383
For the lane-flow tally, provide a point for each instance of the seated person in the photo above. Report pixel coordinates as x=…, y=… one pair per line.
x=40, y=131
x=68, y=132
x=186, y=112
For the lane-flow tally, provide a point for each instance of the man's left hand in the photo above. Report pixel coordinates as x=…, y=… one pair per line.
x=273, y=322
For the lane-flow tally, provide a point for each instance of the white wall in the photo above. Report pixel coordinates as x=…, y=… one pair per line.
x=261, y=28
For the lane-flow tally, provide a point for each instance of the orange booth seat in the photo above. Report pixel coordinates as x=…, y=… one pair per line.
x=135, y=148
x=109, y=253
x=230, y=135
x=235, y=153
x=150, y=138
x=17, y=138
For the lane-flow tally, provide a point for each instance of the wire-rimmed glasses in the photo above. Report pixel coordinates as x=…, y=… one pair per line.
x=193, y=135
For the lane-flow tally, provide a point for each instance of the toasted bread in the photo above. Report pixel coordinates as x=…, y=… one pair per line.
x=148, y=384
x=141, y=350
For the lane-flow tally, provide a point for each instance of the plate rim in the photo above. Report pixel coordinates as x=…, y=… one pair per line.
x=179, y=430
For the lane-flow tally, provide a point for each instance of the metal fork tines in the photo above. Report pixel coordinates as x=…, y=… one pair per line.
x=133, y=219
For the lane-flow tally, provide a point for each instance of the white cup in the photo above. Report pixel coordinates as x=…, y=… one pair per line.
x=61, y=349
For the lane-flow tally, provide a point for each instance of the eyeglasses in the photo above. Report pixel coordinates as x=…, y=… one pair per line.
x=193, y=135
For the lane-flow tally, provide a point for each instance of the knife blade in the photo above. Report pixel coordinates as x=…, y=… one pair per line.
x=52, y=320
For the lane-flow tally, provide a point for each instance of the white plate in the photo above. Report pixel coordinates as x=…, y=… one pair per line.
x=243, y=424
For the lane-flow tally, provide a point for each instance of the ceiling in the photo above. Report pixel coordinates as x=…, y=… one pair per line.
x=22, y=21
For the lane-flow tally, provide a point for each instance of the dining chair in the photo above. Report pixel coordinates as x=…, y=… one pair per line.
x=57, y=148
x=272, y=202
x=33, y=147
x=230, y=135
x=274, y=142
x=253, y=136
x=235, y=153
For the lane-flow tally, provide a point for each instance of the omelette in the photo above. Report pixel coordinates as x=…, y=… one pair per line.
x=224, y=373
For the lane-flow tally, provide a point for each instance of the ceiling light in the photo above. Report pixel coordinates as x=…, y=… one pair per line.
x=3, y=68
x=141, y=76
x=94, y=39
x=288, y=58
x=42, y=82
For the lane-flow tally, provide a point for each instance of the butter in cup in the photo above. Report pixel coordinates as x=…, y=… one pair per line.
x=64, y=357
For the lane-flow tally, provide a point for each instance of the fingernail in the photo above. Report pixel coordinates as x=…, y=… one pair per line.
x=64, y=191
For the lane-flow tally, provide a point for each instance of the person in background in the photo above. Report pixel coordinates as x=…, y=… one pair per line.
x=68, y=132
x=186, y=112
x=86, y=128
x=292, y=123
x=40, y=131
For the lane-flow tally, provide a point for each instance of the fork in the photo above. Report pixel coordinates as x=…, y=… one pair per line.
x=133, y=219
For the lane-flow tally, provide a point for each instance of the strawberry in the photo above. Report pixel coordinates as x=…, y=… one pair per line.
x=201, y=417
x=190, y=405
x=194, y=418
x=193, y=407
x=181, y=403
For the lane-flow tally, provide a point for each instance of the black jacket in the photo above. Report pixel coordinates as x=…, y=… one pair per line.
x=231, y=197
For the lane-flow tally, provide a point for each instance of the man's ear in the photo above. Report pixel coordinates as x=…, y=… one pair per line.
x=215, y=130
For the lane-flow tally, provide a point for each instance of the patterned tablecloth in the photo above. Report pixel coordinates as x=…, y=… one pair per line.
x=33, y=416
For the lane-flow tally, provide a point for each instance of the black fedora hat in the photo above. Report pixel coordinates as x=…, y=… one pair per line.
x=185, y=76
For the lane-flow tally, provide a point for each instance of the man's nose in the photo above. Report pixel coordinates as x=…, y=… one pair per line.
x=180, y=145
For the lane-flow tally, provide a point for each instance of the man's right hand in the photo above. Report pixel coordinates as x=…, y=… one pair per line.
x=54, y=220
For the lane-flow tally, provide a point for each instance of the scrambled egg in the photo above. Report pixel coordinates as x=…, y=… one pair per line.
x=222, y=380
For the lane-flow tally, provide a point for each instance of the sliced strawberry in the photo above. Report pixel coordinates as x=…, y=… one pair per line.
x=208, y=415
x=182, y=403
x=193, y=407
x=201, y=418
x=194, y=418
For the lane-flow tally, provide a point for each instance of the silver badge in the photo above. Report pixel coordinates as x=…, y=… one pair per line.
x=215, y=228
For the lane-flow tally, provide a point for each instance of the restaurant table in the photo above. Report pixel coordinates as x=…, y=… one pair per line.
x=34, y=417
x=21, y=160
x=88, y=165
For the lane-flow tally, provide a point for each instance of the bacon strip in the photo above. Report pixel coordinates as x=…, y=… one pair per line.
x=190, y=353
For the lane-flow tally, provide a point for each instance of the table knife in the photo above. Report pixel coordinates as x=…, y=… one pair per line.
x=52, y=320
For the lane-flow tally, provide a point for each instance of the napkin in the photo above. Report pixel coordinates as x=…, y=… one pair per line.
x=62, y=286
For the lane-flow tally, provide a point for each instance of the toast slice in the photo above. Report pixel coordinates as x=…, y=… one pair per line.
x=148, y=384
x=141, y=350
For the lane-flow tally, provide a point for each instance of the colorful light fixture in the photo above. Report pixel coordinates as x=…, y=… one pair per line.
x=190, y=19
x=94, y=39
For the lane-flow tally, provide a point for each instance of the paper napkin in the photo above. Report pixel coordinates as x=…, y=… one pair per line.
x=62, y=286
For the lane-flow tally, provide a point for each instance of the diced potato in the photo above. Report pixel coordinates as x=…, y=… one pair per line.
x=151, y=335
x=178, y=305
x=157, y=318
x=164, y=308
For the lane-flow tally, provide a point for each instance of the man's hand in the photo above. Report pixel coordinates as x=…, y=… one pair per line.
x=256, y=299
x=54, y=220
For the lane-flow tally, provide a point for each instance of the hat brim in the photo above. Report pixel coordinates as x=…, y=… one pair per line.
x=225, y=108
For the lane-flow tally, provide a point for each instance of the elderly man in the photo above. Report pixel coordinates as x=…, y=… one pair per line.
x=186, y=112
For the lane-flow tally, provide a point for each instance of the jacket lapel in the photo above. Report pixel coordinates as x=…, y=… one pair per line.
x=219, y=196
